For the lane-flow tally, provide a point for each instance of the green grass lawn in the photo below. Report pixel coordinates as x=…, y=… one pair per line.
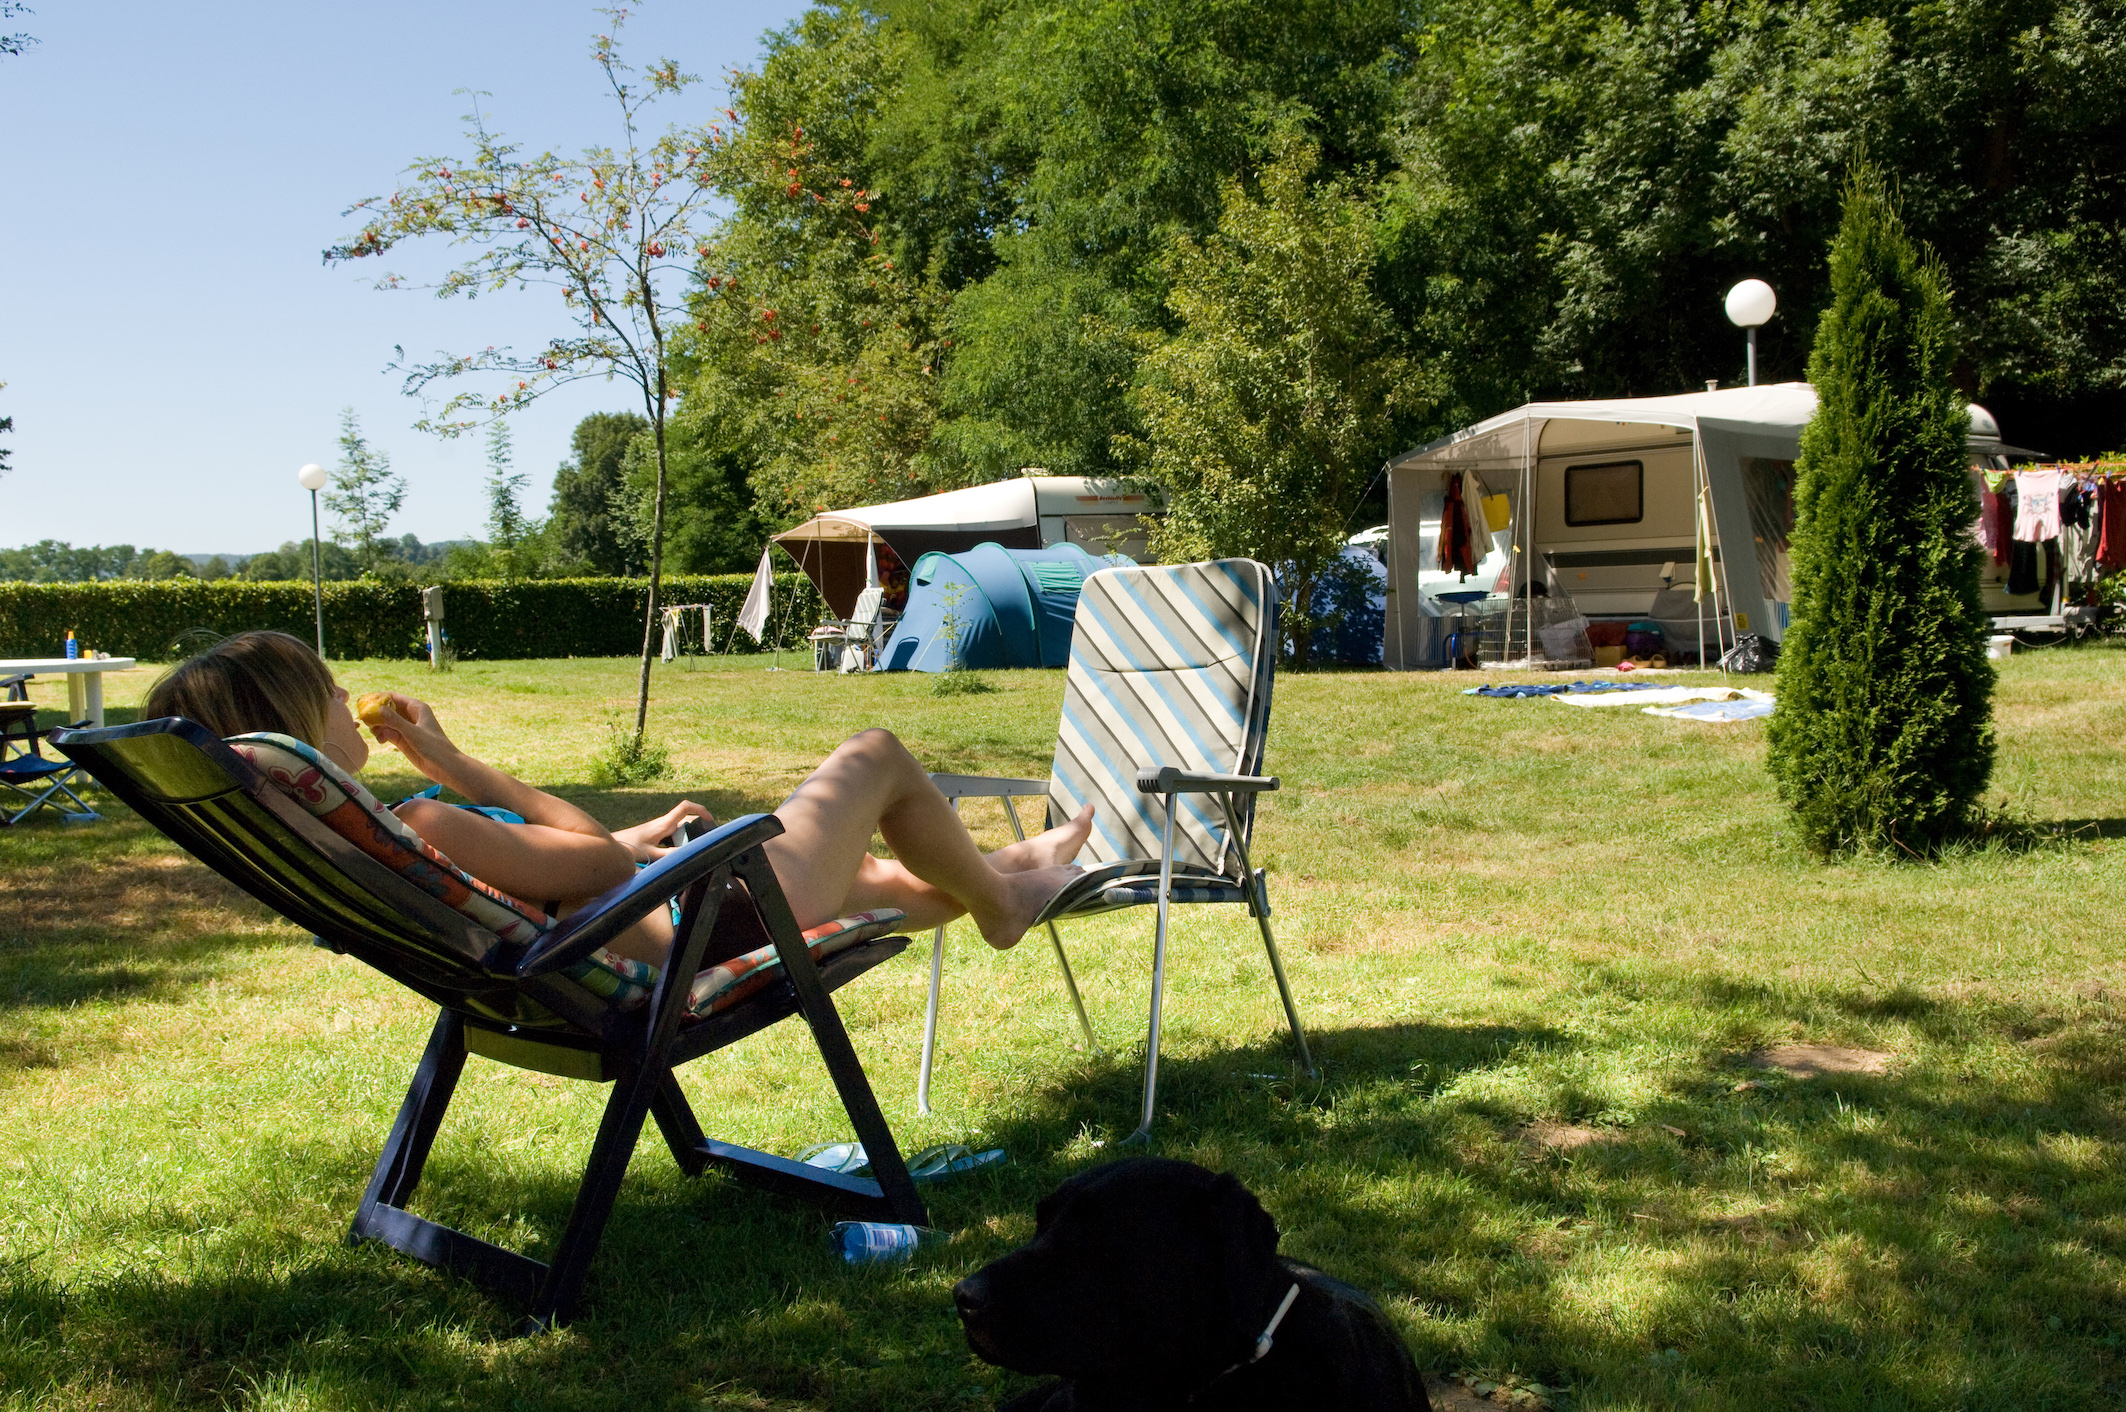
x=1536, y=947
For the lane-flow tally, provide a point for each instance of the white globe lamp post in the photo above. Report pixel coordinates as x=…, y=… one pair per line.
x=312, y=479
x=1751, y=304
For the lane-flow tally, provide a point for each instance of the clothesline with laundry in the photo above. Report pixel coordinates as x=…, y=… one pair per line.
x=2072, y=516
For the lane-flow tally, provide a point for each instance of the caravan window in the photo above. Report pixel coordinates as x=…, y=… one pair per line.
x=1611, y=493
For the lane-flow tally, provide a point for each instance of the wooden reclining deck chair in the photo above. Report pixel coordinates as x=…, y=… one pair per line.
x=273, y=818
x=1165, y=712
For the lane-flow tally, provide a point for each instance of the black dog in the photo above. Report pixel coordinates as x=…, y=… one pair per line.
x=1153, y=1285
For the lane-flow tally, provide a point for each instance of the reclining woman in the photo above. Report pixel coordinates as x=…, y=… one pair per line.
x=269, y=681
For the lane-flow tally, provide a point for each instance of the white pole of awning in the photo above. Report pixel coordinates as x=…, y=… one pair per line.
x=870, y=558
x=1527, y=518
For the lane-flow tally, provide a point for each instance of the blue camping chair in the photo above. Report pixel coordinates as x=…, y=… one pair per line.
x=1165, y=713
x=31, y=780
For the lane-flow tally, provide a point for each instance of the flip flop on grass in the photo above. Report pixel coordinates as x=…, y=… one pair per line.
x=847, y=1158
x=936, y=1164
x=932, y=1164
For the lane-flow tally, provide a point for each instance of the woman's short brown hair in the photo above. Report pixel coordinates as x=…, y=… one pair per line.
x=253, y=681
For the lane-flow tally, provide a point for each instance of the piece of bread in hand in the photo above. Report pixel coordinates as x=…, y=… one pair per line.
x=371, y=708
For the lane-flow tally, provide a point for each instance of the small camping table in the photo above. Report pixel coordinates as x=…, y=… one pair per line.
x=84, y=680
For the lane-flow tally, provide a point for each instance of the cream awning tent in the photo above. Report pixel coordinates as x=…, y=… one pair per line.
x=1724, y=427
x=1027, y=513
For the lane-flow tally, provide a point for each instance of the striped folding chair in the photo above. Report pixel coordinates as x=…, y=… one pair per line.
x=1165, y=712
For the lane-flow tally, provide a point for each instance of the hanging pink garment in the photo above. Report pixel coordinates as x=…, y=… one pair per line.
x=1988, y=529
x=2037, y=511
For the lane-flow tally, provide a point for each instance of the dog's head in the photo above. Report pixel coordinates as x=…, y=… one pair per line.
x=1153, y=1272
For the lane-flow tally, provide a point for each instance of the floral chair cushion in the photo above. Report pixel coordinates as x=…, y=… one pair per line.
x=341, y=802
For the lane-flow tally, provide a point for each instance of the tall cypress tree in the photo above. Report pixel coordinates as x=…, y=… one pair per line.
x=1883, y=735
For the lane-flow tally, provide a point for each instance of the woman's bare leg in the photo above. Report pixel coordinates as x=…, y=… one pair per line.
x=871, y=783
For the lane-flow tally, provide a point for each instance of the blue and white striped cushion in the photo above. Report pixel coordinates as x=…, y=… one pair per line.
x=1170, y=665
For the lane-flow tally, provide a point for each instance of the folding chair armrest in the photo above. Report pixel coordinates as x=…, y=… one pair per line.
x=987, y=787
x=1169, y=779
x=613, y=912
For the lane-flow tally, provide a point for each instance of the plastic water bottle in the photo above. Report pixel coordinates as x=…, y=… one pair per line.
x=880, y=1242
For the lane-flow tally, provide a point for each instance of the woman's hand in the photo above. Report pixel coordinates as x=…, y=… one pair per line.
x=410, y=725
x=646, y=840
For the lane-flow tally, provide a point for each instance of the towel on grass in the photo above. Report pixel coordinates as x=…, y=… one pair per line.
x=1752, y=706
x=1659, y=696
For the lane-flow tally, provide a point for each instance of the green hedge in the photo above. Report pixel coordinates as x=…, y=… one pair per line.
x=487, y=620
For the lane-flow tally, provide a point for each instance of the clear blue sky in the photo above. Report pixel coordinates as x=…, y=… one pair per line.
x=172, y=346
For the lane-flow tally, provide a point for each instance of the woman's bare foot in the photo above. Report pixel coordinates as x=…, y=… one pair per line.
x=1045, y=850
x=1026, y=894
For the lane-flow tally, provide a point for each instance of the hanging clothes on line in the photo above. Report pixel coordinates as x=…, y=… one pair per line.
x=2037, y=515
x=1457, y=550
x=2111, y=530
x=1993, y=528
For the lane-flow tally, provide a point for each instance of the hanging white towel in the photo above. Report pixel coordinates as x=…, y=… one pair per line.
x=753, y=613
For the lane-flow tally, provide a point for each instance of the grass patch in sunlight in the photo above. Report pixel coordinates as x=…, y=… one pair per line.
x=1549, y=959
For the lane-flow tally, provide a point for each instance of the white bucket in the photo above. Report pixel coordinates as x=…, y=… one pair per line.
x=2002, y=645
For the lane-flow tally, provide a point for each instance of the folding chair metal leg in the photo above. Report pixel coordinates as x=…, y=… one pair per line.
x=1070, y=982
x=1284, y=993
x=930, y=1022
x=57, y=785
x=1143, y=1134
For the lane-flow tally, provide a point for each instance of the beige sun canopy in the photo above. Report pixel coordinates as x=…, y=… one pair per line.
x=838, y=548
x=1725, y=451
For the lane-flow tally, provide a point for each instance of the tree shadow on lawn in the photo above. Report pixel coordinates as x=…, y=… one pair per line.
x=1877, y=1241
x=99, y=918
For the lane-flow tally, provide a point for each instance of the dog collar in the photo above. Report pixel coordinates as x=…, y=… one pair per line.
x=1267, y=1338
x=1264, y=1342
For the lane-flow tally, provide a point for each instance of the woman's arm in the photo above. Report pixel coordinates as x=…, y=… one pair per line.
x=559, y=853
x=536, y=862
x=411, y=726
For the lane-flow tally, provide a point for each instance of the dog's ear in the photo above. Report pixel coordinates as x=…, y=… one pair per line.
x=1250, y=1252
x=1051, y=1205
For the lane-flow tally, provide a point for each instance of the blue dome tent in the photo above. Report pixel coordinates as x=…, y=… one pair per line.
x=991, y=607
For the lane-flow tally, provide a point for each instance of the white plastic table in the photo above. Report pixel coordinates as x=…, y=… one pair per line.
x=84, y=680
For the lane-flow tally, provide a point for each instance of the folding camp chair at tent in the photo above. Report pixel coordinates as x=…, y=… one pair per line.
x=28, y=779
x=289, y=828
x=1165, y=712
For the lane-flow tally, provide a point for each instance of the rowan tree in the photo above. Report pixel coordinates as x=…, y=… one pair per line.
x=614, y=230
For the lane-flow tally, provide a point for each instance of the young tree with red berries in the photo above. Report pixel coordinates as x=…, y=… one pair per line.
x=615, y=230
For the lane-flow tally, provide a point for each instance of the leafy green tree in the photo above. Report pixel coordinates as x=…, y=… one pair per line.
x=722, y=530
x=56, y=561
x=579, y=516
x=1268, y=413
x=161, y=564
x=508, y=528
x=216, y=567
x=291, y=564
x=816, y=348
x=1577, y=184
x=363, y=497
x=1883, y=735
x=613, y=231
